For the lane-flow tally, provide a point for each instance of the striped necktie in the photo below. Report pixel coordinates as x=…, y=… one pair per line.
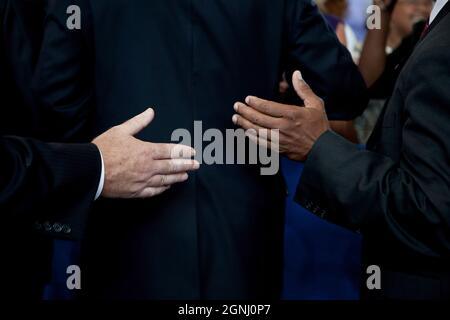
x=425, y=30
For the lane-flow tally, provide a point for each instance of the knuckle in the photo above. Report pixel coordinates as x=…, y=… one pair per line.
x=172, y=166
x=116, y=129
x=292, y=114
x=138, y=121
x=153, y=168
x=305, y=85
x=177, y=151
x=283, y=125
x=149, y=150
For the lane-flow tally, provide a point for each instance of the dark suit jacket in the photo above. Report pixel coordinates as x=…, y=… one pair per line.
x=21, y=25
x=398, y=192
x=219, y=235
x=384, y=86
x=45, y=191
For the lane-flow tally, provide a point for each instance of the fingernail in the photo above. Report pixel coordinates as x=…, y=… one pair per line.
x=236, y=107
x=196, y=164
x=247, y=100
x=194, y=152
x=299, y=75
x=185, y=177
x=235, y=119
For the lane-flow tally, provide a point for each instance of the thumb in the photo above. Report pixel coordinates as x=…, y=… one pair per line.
x=303, y=90
x=139, y=122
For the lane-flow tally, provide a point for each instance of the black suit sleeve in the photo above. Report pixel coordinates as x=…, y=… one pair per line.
x=357, y=189
x=312, y=47
x=50, y=186
x=64, y=75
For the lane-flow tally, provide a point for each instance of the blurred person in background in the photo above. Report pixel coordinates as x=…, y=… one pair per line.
x=386, y=51
x=335, y=12
x=357, y=17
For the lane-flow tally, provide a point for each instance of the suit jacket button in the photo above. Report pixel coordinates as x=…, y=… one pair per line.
x=57, y=227
x=66, y=229
x=47, y=226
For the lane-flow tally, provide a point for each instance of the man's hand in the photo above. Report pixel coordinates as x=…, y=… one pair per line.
x=300, y=127
x=137, y=169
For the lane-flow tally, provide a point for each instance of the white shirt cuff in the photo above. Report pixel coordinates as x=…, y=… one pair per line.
x=102, y=179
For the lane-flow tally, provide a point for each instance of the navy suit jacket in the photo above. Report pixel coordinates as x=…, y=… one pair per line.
x=220, y=234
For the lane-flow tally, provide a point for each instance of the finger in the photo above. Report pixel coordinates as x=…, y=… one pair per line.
x=175, y=166
x=303, y=90
x=246, y=124
x=253, y=128
x=139, y=122
x=263, y=142
x=172, y=151
x=257, y=117
x=152, y=192
x=267, y=107
x=259, y=141
x=167, y=180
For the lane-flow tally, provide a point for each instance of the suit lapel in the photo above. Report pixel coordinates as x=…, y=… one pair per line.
x=442, y=14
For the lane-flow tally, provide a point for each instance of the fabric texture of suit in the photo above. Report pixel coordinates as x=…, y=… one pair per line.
x=21, y=26
x=220, y=234
x=18, y=49
x=398, y=192
x=47, y=190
